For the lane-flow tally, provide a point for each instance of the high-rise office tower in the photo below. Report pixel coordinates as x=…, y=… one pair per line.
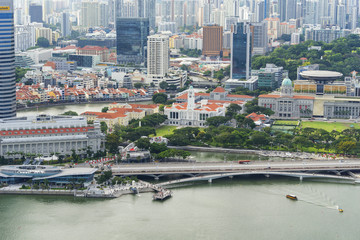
x=131, y=40
x=241, y=51
x=89, y=16
x=65, y=24
x=259, y=38
x=103, y=14
x=212, y=40
x=158, y=57
x=7, y=61
x=47, y=6
x=259, y=11
x=341, y=16
x=35, y=12
x=136, y=9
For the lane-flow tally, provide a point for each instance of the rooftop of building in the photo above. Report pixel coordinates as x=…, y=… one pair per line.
x=321, y=75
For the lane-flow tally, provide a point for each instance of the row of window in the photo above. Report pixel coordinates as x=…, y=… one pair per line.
x=41, y=131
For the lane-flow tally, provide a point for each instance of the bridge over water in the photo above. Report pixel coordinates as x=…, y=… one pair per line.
x=334, y=170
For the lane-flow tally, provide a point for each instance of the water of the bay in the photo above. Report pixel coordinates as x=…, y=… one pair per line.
x=246, y=208
x=239, y=208
x=59, y=109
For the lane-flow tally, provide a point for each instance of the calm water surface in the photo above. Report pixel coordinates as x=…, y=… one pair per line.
x=56, y=110
x=247, y=208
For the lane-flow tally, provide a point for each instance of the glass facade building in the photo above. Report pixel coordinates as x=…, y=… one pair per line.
x=241, y=51
x=7, y=61
x=131, y=40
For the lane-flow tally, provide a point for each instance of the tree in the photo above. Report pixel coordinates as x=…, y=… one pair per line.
x=112, y=143
x=260, y=138
x=138, y=85
x=105, y=109
x=232, y=110
x=158, y=147
x=74, y=34
x=163, y=85
x=70, y=113
x=43, y=42
x=346, y=146
x=103, y=127
x=143, y=143
x=216, y=121
x=159, y=98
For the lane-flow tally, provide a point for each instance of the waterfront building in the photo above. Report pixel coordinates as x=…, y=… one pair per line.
x=46, y=135
x=7, y=61
x=192, y=109
x=212, y=40
x=241, y=52
x=286, y=105
x=53, y=175
x=120, y=114
x=131, y=40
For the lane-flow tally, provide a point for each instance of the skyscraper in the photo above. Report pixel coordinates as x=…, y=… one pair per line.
x=35, y=12
x=158, y=58
x=7, y=61
x=65, y=24
x=241, y=51
x=212, y=40
x=131, y=40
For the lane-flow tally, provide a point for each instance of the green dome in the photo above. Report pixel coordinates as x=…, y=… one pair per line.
x=286, y=82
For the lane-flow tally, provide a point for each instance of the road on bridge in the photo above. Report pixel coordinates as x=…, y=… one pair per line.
x=163, y=168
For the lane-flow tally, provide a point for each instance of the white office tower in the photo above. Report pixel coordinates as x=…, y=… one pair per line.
x=353, y=17
x=312, y=12
x=7, y=61
x=47, y=6
x=341, y=16
x=65, y=24
x=158, y=59
x=295, y=38
x=259, y=38
x=259, y=11
x=89, y=16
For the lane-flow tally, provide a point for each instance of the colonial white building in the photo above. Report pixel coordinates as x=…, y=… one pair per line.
x=287, y=105
x=195, y=113
x=46, y=135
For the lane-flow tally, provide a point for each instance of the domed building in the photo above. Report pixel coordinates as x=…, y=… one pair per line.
x=286, y=105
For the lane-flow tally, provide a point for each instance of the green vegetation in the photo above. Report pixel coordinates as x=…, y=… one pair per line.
x=342, y=55
x=255, y=93
x=191, y=52
x=20, y=73
x=286, y=122
x=70, y=113
x=164, y=130
x=105, y=109
x=329, y=126
x=43, y=42
x=159, y=98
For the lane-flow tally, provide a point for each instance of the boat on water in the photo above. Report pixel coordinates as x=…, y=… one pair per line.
x=162, y=195
x=341, y=210
x=292, y=197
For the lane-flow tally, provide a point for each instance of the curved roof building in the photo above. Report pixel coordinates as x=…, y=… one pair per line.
x=54, y=175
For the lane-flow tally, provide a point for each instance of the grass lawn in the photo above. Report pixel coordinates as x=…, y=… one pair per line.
x=329, y=126
x=164, y=130
x=286, y=122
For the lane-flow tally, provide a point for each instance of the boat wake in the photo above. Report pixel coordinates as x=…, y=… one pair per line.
x=306, y=194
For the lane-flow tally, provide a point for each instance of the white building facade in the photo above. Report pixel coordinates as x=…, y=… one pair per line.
x=47, y=135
